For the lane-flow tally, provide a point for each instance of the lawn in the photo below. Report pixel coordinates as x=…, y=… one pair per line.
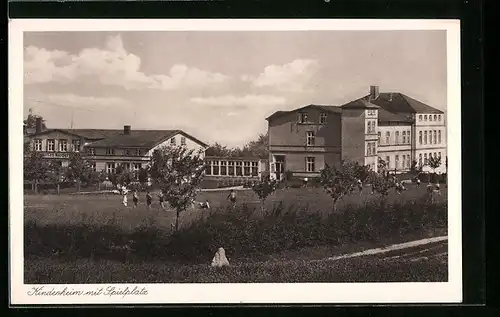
x=96, y=236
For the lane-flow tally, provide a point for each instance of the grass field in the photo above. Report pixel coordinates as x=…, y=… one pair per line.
x=100, y=209
x=95, y=239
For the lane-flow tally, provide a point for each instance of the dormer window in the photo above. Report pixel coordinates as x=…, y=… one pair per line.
x=302, y=117
x=322, y=118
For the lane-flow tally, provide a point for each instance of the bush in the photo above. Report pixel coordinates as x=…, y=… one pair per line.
x=243, y=233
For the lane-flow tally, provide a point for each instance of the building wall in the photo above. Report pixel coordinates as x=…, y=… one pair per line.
x=296, y=162
x=353, y=135
x=190, y=145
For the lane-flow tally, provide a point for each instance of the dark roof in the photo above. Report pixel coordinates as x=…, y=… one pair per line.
x=140, y=139
x=386, y=116
x=361, y=103
x=401, y=103
x=91, y=134
x=328, y=108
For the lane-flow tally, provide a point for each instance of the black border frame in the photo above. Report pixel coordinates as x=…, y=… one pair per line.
x=469, y=12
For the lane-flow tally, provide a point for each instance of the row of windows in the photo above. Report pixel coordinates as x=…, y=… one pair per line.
x=231, y=168
x=173, y=141
x=51, y=145
x=371, y=127
x=122, y=152
x=433, y=136
x=405, y=137
x=303, y=118
x=429, y=118
x=371, y=112
x=399, y=162
x=111, y=166
x=424, y=159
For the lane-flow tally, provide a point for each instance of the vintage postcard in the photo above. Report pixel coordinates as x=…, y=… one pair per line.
x=234, y=161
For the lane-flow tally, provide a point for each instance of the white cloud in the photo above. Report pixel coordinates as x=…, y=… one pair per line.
x=111, y=66
x=246, y=100
x=293, y=76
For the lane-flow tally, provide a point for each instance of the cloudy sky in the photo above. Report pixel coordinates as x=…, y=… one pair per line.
x=220, y=86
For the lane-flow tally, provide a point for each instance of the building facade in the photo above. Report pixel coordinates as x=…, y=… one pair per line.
x=391, y=127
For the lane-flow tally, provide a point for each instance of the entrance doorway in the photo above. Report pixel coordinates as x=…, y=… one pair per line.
x=280, y=166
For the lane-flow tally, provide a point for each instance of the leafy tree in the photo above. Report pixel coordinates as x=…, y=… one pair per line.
x=382, y=182
x=30, y=122
x=415, y=168
x=142, y=176
x=434, y=162
x=55, y=173
x=263, y=189
x=339, y=181
x=78, y=170
x=178, y=172
x=35, y=167
x=218, y=149
x=123, y=176
x=260, y=147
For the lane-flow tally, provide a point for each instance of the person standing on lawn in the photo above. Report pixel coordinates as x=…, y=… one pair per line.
x=135, y=198
x=125, y=198
x=232, y=197
x=360, y=185
x=149, y=199
x=161, y=198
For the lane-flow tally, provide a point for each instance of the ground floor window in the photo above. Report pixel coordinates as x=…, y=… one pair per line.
x=310, y=164
x=255, y=168
x=110, y=167
x=137, y=166
x=246, y=168
x=230, y=168
x=215, y=168
x=239, y=171
x=208, y=168
x=223, y=168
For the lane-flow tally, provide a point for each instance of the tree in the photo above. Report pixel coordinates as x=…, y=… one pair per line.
x=340, y=181
x=35, y=167
x=263, y=189
x=78, y=170
x=218, y=149
x=142, y=176
x=30, y=122
x=123, y=176
x=382, y=182
x=260, y=147
x=178, y=172
x=55, y=173
x=434, y=162
x=415, y=168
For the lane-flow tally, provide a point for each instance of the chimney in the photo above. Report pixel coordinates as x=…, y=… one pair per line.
x=38, y=125
x=390, y=96
x=126, y=129
x=373, y=92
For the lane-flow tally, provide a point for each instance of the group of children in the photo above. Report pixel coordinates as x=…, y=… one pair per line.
x=161, y=198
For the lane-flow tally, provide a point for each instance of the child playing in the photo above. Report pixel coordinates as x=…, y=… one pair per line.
x=125, y=193
x=135, y=198
x=205, y=205
x=149, y=199
x=232, y=197
x=161, y=198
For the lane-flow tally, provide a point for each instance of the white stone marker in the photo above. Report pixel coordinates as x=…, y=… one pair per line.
x=220, y=259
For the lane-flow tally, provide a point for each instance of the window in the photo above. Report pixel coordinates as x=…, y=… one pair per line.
x=110, y=167
x=425, y=137
x=110, y=151
x=439, y=117
x=173, y=141
x=420, y=159
x=208, y=168
x=126, y=166
x=425, y=158
x=38, y=144
x=51, y=145
x=439, y=154
x=435, y=137
x=388, y=161
x=425, y=118
x=310, y=137
x=183, y=140
x=370, y=127
x=215, y=168
x=90, y=151
x=302, y=117
x=439, y=136
x=138, y=152
x=93, y=166
x=322, y=118
x=397, y=137
x=76, y=145
x=430, y=136
x=239, y=171
x=403, y=162
x=231, y=168
x=63, y=145
x=310, y=166
x=404, y=137
x=408, y=162
x=430, y=118
x=126, y=152
x=223, y=168
x=435, y=117
x=420, y=117
x=396, y=162
x=379, y=137
x=388, y=137
x=137, y=166
x=255, y=168
x=372, y=112
x=246, y=168
x=408, y=137
x=370, y=149
x=420, y=137
x=374, y=146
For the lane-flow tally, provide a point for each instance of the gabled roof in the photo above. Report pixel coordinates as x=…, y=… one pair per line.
x=361, y=103
x=140, y=139
x=90, y=134
x=386, y=116
x=400, y=103
x=327, y=108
